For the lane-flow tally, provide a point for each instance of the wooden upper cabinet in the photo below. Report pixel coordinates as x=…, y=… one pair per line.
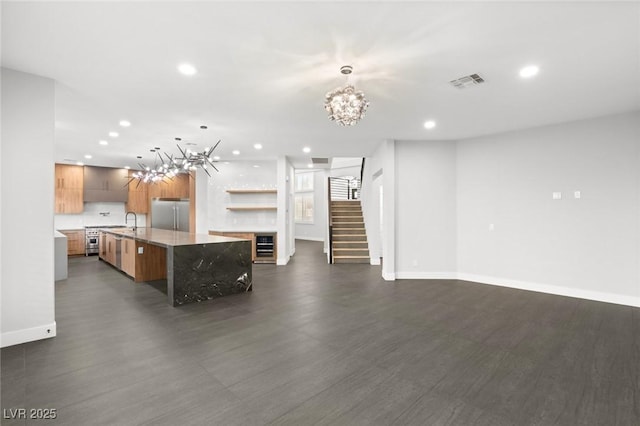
x=178, y=187
x=69, y=189
x=138, y=196
x=69, y=177
x=105, y=184
x=181, y=186
x=69, y=201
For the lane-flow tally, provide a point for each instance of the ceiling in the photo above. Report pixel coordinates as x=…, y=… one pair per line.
x=264, y=68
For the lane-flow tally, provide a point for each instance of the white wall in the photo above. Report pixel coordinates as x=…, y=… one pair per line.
x=344, y=162
x=370, y=201
x=99, y=213
x=379, y=216
x=242, y=175
x=585, y=247
x=317, y=230
x=425, y=209
x=346, y=171
x=482, y=209
x=27, y=199
x=285, y=221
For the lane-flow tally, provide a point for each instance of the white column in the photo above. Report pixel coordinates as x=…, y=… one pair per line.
x=389, y=211
x=27, y=200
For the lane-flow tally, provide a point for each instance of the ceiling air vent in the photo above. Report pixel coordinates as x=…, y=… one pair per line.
x=321, y=163
x=467, y=81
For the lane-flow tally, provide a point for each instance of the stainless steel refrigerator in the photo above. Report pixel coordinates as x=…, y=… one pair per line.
x=170, y=213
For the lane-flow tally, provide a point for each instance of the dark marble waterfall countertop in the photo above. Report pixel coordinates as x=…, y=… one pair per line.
x=167, y=238
x=198, y=267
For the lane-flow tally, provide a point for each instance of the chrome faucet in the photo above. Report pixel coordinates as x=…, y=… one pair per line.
x=135, y=220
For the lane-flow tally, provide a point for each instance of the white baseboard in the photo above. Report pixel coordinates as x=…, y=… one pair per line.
x=310, y=238
x=426, y=275
x=388, y=276
x=282, y=261
x=374, y=260
x=17, y=337
x=618, y=299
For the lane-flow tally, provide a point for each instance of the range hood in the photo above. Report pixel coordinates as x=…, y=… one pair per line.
x=105, y=184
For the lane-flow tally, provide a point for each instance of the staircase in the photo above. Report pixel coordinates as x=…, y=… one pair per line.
x=348, y=236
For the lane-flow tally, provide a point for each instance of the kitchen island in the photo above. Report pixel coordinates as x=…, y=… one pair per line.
x=196, y=267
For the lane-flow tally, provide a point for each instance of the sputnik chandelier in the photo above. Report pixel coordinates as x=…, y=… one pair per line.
x=345, y=105
x=172, y=167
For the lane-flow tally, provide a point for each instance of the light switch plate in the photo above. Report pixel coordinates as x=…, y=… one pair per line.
x=557, y=195
x=140, y=250
x=577, y=194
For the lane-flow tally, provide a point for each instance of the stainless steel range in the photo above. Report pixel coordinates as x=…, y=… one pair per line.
x=92, y=234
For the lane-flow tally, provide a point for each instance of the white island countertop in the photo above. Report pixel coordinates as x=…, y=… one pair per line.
x=167, y=238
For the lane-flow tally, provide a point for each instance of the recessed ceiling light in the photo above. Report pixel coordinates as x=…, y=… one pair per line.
x=80, y=163
x=103, y=143
x=88, y=156
x=257, y=146
x=216, y=157
x=310, y=165
x=113, y=134
x=187, y=69
x=529, y=71
x=306, y=149
x=256, y=166
x=429, y=124
x=235, y=152
x=125, y=123
x=127, y=167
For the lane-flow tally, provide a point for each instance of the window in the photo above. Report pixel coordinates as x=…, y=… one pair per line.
x=304, y=197
x=304, y=182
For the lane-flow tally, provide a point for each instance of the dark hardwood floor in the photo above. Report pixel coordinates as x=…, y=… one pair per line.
x=327, y=344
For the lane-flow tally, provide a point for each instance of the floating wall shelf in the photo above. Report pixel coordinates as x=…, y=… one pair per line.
x=253, y=208
x=252, y=191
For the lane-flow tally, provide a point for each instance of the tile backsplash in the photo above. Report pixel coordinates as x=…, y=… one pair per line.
x=97, y=214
